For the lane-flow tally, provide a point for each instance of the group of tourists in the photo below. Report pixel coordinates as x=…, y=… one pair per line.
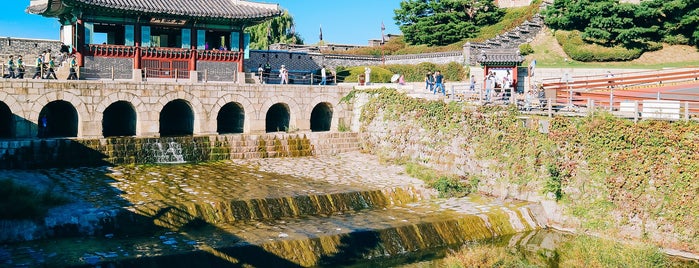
x=15, y=68
x=264, y=72
x=491, y=82
x=44, y=67
x=434, y=82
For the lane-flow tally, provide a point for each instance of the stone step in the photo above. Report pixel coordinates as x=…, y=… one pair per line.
x=300, y=241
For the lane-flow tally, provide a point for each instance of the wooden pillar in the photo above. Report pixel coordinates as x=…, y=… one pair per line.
x=80, y=42
x=193, y=38
x=241, y=49
x=137, y=50
x=193, y=59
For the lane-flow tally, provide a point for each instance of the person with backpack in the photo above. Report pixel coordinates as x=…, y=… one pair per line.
x=37, y=67
x=50, y=72
x=11, y=67
x=20, y=67
x=73, y=63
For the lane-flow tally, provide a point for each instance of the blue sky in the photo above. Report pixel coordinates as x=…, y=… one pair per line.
x=344, y=22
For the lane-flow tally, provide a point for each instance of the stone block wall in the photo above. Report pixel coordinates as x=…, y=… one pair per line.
x=107, y=68
x=293, y=61
x=308, y=62
x=217, y=71
x=28, y=48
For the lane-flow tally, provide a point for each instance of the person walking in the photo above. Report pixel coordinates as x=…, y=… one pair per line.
x=50, y=72
x=260, y=74
x=284, y=74
x=472, y=84
x=46, y=57
x=429, y=81
x=73, y=74
x=37, y=67
x=267, y=71
x=20, y=67
x=489, y=84
x=439, y=83
x=11, y=67
x=323, y=76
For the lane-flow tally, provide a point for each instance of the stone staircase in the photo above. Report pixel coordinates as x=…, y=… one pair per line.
x=332, y=143
x=509, y=41
x=251, y=78
x=287, y=144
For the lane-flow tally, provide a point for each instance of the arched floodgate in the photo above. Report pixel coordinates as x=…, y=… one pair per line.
x=230, y=118
x=119, y=119
x=58, y=119
x=177, y=119
x=7, y=126
x=321, y=117
x=277, y=118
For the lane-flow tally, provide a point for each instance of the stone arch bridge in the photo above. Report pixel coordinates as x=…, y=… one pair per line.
x=96, y=109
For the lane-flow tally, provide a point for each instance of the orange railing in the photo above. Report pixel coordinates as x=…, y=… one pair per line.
x=218, y=55
x=119, y=51
x=621, y=80
x=166, y=53
x=111, y=51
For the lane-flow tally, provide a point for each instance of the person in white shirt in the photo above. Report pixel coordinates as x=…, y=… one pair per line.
x=323, y=76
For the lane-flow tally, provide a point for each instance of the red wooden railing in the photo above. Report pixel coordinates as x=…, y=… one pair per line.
x=118, y=51
x=218, y=55
x=163, y=62
x=110, y=51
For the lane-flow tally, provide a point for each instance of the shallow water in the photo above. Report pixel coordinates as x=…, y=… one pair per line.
x=346, y=210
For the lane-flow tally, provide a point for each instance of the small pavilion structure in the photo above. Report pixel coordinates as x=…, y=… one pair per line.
x=136, y=39
x=502, y=63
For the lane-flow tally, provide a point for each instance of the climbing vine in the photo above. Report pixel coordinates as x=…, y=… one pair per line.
x=607, y=171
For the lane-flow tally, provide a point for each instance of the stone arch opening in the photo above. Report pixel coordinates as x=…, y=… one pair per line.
x=58, y=119
x=177, y=119
x=321, y=117
x=7, y=125
x=119, y=119
x=277, y=118
x=230, y=118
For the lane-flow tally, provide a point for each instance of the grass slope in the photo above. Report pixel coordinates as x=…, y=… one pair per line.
x=548, y=53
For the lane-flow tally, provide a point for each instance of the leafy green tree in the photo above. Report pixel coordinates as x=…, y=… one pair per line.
x=443, y=22
x=678, y=17
x=568, y=15
x=277, y=30
x=611, y=23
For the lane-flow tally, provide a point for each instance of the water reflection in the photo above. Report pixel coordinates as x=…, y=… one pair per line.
x=236, y=214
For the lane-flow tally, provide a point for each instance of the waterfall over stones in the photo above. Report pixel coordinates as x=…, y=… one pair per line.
x=309, y=211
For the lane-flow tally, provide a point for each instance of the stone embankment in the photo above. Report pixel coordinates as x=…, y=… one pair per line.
x=404, y=138
x=299, y=211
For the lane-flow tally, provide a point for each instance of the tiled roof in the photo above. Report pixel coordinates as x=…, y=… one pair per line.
x=498, y=57
x=37, y=9
x=221, y=9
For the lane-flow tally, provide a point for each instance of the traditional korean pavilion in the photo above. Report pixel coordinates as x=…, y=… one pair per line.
x=502, y=63
x=133, y=39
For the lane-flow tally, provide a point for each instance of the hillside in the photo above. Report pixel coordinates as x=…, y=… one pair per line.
x=548, y=53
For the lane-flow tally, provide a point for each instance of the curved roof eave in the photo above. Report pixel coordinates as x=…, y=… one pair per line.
x=194, y=9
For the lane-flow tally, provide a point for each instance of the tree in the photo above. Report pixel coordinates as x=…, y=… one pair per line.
x=679, y=18
x=277, y=30
x=611, y=23
x=443, y=22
